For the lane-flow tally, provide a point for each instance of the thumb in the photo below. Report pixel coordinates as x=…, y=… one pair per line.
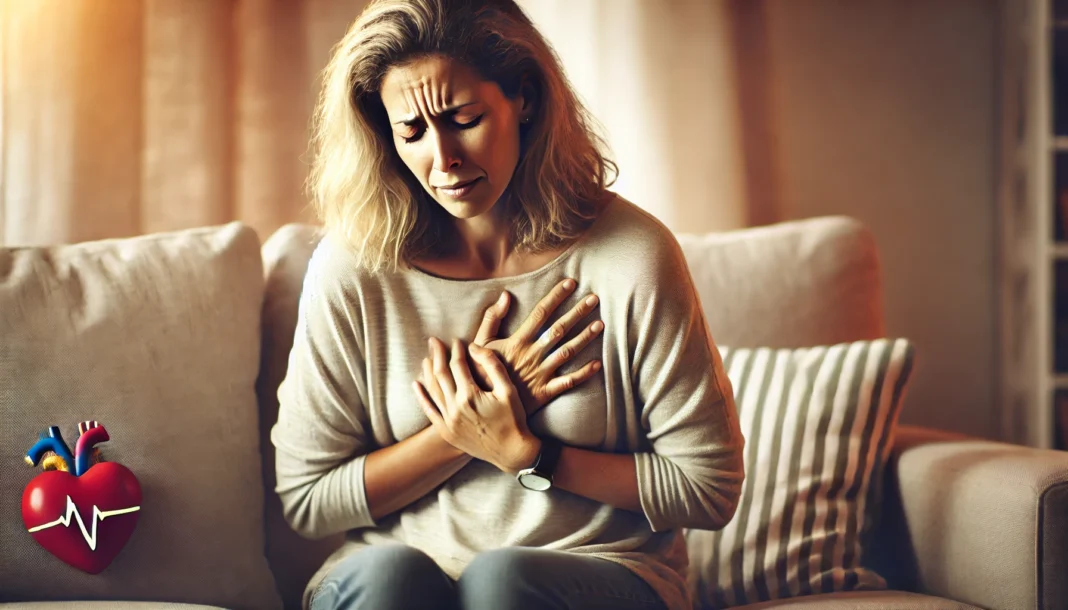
x=491, y=320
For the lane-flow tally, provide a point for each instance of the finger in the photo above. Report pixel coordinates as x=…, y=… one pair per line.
x=428, y=406
x=430, y=382
x=568, y=350
x=562, y=384
x=498, y=377
x=440, y=365
x=461, y=372
x=561, y=327
x=545, y=307
x=491, y=320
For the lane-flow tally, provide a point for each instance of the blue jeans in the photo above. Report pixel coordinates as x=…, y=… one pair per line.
x=392, y=577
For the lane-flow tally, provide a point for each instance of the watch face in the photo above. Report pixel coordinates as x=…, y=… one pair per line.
x=534, y=481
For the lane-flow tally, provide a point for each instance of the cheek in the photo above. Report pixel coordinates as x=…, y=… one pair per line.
x=413, y=160
x=500, y=150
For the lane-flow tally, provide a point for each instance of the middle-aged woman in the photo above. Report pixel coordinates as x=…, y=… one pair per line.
x=450, y=402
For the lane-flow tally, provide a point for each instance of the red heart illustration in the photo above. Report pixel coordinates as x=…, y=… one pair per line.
x=83, y=520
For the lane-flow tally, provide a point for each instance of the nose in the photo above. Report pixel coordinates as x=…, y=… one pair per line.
x=446, y=151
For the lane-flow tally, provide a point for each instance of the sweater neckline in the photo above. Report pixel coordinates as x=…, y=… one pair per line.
x=555, y=262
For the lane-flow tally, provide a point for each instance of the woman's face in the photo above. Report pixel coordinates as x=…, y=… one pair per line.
x=458, y=134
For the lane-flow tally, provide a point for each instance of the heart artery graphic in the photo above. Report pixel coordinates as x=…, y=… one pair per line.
x=81, y=512
x=98, y=516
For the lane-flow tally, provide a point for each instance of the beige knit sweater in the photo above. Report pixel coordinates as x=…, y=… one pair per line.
x=662, y=395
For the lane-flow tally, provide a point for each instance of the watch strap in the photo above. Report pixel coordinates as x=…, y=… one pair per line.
x=548, y=457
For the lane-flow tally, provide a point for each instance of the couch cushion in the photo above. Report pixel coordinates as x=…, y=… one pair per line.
x=793, y=284
x=862, y=600
x=818, y=424
x=285, y=260
x=157, y=338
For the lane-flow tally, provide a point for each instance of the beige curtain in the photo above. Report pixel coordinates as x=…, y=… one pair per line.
x=122, y=117
x=662, y=77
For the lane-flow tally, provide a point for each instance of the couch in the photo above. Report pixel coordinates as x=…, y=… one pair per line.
x=964, y=522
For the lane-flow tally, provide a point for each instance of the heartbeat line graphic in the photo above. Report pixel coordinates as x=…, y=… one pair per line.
x=98, y=516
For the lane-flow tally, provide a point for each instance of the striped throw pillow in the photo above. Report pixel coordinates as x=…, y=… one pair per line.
x=818, y=423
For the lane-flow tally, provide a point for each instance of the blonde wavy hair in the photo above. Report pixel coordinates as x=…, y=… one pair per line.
x=363, y=192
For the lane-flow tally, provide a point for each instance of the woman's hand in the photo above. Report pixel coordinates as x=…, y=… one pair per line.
x=524, y=352
x=487, y=425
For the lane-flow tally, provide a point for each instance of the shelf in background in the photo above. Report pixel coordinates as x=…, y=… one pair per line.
x=1060, y=143
x=1060, y=381
x=1059, y=251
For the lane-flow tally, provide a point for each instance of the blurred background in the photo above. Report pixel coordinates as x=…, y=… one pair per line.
x=122, y=117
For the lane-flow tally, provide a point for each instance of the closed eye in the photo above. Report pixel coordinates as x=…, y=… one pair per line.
x=419, y=132
x=413, y=138
x=472, y=123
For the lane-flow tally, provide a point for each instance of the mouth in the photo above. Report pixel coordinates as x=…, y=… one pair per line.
x=460, y=188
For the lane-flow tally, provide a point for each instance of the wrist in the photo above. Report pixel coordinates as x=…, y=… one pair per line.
x=527, y=450
x=444, y=448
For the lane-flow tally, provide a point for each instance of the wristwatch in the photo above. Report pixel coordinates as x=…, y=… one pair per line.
x=539, y=477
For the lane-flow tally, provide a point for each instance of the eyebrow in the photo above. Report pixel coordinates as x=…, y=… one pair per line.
x=450, y=110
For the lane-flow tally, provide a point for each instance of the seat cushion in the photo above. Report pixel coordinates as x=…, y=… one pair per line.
x=156, y=338
x=862, y=600
x=793, y=284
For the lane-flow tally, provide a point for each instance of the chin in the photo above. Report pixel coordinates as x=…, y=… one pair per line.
x=465, y=210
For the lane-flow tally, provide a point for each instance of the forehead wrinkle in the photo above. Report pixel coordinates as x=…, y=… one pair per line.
x=435, y=90
x=427, y=94
x=427, y=91
x=444, y=94
x=422, y=99
x=416, y=102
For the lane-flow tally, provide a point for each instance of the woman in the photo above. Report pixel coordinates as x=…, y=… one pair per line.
x=450, y=403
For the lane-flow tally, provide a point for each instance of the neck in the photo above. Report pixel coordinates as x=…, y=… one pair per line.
x=484, y=242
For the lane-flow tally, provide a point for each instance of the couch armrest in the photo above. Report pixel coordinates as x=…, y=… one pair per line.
x=977, y=521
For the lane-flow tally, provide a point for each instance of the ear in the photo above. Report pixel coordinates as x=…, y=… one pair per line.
x=528, y=99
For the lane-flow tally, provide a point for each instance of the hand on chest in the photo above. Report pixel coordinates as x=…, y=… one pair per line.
x=579, y=417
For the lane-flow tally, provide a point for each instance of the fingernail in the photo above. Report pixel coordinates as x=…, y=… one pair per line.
x=598, y=326
x=597, y=365
x=569, y=284
x=591, y=300
x=504, y=295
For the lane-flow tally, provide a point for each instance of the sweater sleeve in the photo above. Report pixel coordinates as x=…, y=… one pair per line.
x=693, y=476
x=323, y=434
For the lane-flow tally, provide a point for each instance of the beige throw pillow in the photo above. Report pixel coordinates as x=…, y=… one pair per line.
x=157, y=338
